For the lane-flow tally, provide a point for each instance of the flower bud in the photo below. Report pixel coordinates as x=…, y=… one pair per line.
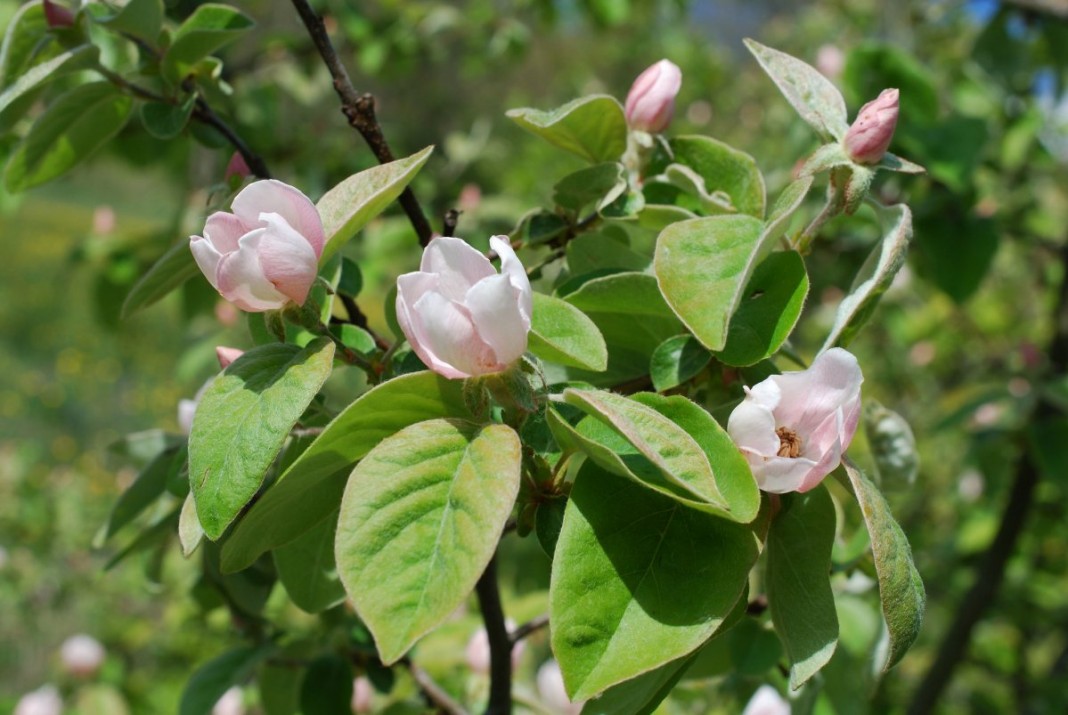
x=362, y=696
x=227, y=355
x=460, y=316
x=43, y=701
x=793, y=428
x=651, y=101
x=551, y=689
x=266, y=253
x=82, y=655
x=869, y=136
x=767, y=701
x=237, y=167
x=57, y=16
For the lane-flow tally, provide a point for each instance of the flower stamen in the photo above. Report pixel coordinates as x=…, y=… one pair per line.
x=789, y=442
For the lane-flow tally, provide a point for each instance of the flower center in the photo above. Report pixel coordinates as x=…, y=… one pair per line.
x=789, y=442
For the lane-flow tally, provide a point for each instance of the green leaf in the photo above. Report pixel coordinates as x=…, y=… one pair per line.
x=243, y=420
x=420, y=520
x=676, y=360
x=547, y=522
x=669, y=444
x=1048, y=447
x=17, y=98
x=307, y=570
x=140, y=18
x=100, y=699
x=206, y=30
x=900, y=587
x=327, y=687
x=874, y=277
x=827, y=157
x=638, y=581
x=939, y=257
x=753, y=648
x=640, y=695
x=786, y=205
x=594, y=251
x=633, y=318
x=562, y=333
x=592, y=127
x=218, y=675
x=190, y=532
x=771, y=305
x=311, y=488
x=174, y=268
x=725, y=169
x=702, y=266
x=71, y=129
x=893, y=446
x=350, y=205
x=799, y=589
x=602, y=183
x=22, y=38
x=166, y=121
x=279, y=687
x=814, y=97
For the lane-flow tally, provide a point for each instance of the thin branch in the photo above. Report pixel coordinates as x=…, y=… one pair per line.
x=359, y=109
x=532, y=626
x=433, y=693
x=500, y=645
x=204, y=114
x=448, y=223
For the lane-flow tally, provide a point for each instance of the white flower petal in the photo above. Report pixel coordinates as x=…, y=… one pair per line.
x=458, y=266
x=494, y=308
x=446, y=339
x=287, y=259
x=271, y=196
x=241, y=279
x=517, y=275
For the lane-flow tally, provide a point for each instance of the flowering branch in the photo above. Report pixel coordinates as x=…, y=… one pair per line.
x=359, y=109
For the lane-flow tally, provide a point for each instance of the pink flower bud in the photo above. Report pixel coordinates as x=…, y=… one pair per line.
x=651, y=101
x=266, y=253
x=551, y=689
x=767, y=701
x=57, y=16
x=830, y=61
x=82, y=655
x=237, y=167
x=793, y=428
x=43, y=701
x=460, y=316
x=227, y=355
x=362, y=696
x=869, y=136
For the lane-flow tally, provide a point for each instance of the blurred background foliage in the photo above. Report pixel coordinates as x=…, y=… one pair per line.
x=958, y=347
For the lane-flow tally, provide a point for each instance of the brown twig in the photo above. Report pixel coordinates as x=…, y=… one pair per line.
x=434, y=694
x=532, y=626
x=500, y=644
x=204, y=114
x=448, y=223
x=359, y=110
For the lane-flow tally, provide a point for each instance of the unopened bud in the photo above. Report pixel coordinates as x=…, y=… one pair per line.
x=82, y=655
x=651, y=101
x=227, y=355
x=869, y=137
x=237, y=168
x=57, y=15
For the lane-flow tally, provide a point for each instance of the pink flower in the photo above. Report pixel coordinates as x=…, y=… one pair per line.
x=793, y=428
x=43, y=701
x=266, y=253
x=651, y=100
x=236, y=167
x=82, y=655
x=767, y=701
x=461, y=317
x=362, y=696
x=869, y=136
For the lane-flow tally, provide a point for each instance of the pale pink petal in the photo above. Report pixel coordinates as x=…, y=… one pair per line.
x=444, y=330
x=224, y=230
x=207, y=258
x=832, y=382
x=411, y=323
x=779, y=475
x=651, y=101
x=271, y=196
x=412, y=286
x=752, y=427
x=494, y=307
x=829, y=460
x=511, y=267
x=767, y=701
x=241, y=279
x=458, y=265
x=287, y=259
